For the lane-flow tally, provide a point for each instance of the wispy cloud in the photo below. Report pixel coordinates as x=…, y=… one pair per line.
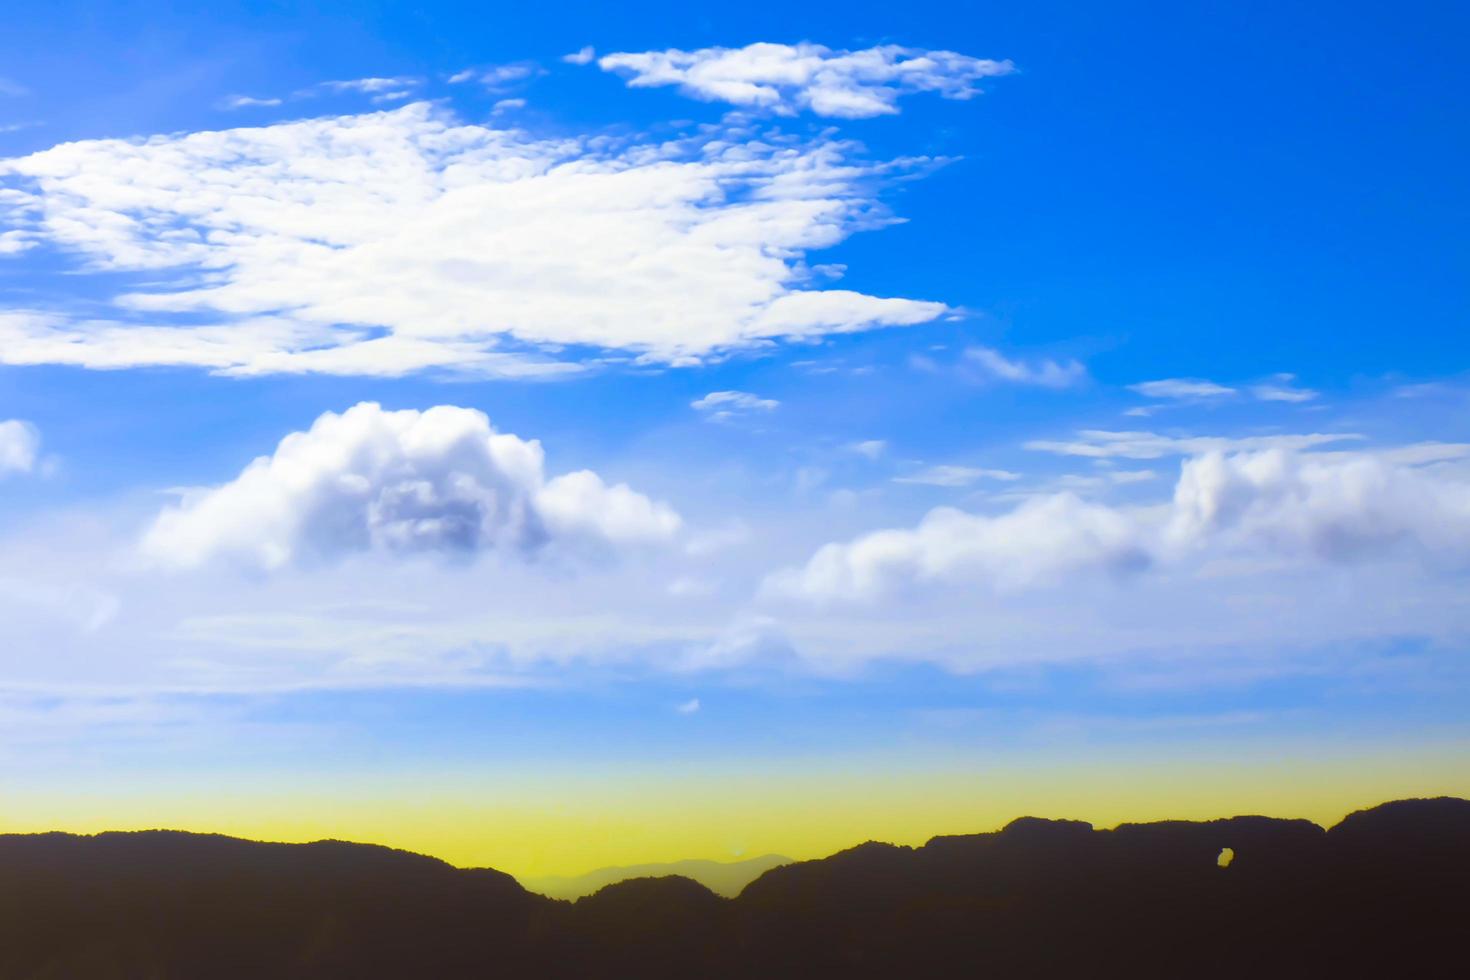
x=406, y=240
x=1281, y=389
x=1044, y=373
x=246, y=102
x=1105, y=444
x=582, y=56
x=786, y=79
x=379, y=89
x=719, y=406
x=498, y=77
x=955, y=476
x=1181, y=389
x=372, y=86
x=20, y=445
x=1277, y=388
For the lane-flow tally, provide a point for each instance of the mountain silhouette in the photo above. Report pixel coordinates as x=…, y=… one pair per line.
x=727, y=878
x=1385, y=893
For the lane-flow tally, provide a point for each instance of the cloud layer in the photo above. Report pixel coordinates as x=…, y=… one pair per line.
x=398, y=241
x=1272, y=503
x=786, y=78
x=441, y=481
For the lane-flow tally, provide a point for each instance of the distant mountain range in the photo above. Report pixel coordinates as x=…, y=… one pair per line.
x=1386, y=893
x=727, y=878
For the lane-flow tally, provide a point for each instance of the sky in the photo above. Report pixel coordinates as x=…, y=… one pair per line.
x=561, y=436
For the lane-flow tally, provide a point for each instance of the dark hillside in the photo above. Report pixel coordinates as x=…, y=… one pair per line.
x=1385, y=893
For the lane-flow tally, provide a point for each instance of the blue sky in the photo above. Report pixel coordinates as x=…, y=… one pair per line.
x=663, y=384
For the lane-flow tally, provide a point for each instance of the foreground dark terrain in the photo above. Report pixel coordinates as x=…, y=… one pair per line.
x=1384, y=893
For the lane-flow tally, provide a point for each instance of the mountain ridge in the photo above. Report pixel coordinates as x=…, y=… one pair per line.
x=724, y=878
x=1386, y=891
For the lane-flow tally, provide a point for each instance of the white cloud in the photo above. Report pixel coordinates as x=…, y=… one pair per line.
x=785, y=78
x=246, y=102
x=871, y=448
x=1181, y=388
x=14, y=242
x=506, y=105
x=498, y=77
x=1278, y=388
x=1045, y=373
x=1420, y=453
x=688, y=707
x=372, y=622
x=382, y=87
x=582, y=504
x=955, y=476
x=1335, y=507
x=440, y=481
x=404, y=240
x=19, y=445
x=251, y=346
x=1037, y=541
x=1104, y=444
x=582, y=56
x=1086, y=484
x=1277, y=504
x=502, y=75
x=721, y=405
x=1281, y=389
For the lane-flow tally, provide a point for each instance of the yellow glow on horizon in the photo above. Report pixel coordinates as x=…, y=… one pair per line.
x=530, y=828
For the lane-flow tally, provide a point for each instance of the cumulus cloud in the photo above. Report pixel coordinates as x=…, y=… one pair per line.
x=1335, y=507
x=1284, y=505
x=404, y=240
x=721, y=405
x=1181, y=389
x=440, y=481
x=955, y=476
x=19, y=445
x=1037, y=541
x=785, y=78
x=582, y=56
x=1045, y=373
